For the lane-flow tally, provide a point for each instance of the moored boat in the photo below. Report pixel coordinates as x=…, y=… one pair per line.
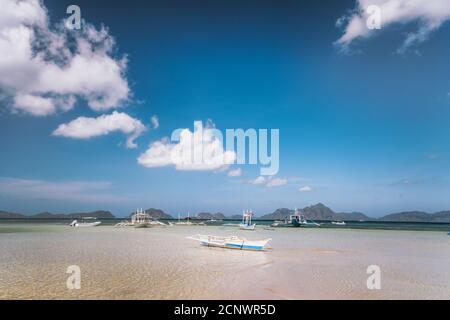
x=85, y=222
x=141, y=219
x=213, y=222
x=231, y=242
x=247, y=221
x=295, y=220
x=187, y=221
x=338, y=223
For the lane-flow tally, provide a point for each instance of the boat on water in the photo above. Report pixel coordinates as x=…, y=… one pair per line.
x=247, y=221
x=85, y=222
x=338, y=223
x=141, y=219
x=187, y=221
x=295, y=220
x=213, y=222
x=231, y=242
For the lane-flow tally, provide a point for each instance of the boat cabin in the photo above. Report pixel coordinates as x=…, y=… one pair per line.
x=140, y=217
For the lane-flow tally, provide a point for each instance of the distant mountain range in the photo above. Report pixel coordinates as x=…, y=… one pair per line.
x=322, y=212
x=209, y=216
x=315, y=212
x=418, y=216
x=101, y=214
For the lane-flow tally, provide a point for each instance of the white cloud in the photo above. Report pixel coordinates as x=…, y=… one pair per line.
x=235, y=173
x=88, y=191
x=200, y=150
x=269, y=181
x=429, y=14
x=305, y=189
x=155, y=121
x=40, y=74
x=276, y=182
x=259, y=180
x=85, y=128
x=41, y=106
x=35, y=105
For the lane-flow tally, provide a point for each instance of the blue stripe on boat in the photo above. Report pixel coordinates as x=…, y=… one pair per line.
x=243, y=247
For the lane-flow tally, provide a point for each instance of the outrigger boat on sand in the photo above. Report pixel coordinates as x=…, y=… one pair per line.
x=231, y=242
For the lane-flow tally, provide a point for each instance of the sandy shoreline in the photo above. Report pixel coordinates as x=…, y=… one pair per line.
x=159, y=263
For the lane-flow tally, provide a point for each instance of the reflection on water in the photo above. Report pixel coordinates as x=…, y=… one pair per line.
x=159, y=263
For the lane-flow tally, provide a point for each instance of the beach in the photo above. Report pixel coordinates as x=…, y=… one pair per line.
x=160, y=263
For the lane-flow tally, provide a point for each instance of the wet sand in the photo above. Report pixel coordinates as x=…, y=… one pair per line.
x=159, y=263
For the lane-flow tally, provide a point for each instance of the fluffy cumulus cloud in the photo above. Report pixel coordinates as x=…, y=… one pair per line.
x=305, y=189
x=235, y=173
x=269, y=181
x=201, y=150
x=46, y=68
x=85, y=128
x=430, y=15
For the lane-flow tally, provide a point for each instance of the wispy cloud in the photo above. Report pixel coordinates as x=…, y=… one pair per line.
x=235, y=173
x=430, y=15
x=305, y=189
x=433, y=156
x=408, y=182
x=269, y=181
x=86, y=191
x=155, y=122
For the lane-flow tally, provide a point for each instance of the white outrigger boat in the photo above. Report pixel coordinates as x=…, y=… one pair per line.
x=84, y=223
x=338, y=223
x=295, y=220
x=247, y=221
x=141, y=219
x=231, y=242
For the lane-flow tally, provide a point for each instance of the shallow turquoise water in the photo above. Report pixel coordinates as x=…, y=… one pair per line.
x=160, y=263
x=19, y=225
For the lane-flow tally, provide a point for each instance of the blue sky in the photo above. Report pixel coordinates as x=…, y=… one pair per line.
x=364, y=130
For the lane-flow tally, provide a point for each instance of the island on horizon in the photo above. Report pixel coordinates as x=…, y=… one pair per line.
x=319, y=212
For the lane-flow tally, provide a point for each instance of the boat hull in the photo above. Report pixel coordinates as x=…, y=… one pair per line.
x=232, y=243
x=247, y=227
x=293, y=224
x=87, y=224
x=309, y=225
